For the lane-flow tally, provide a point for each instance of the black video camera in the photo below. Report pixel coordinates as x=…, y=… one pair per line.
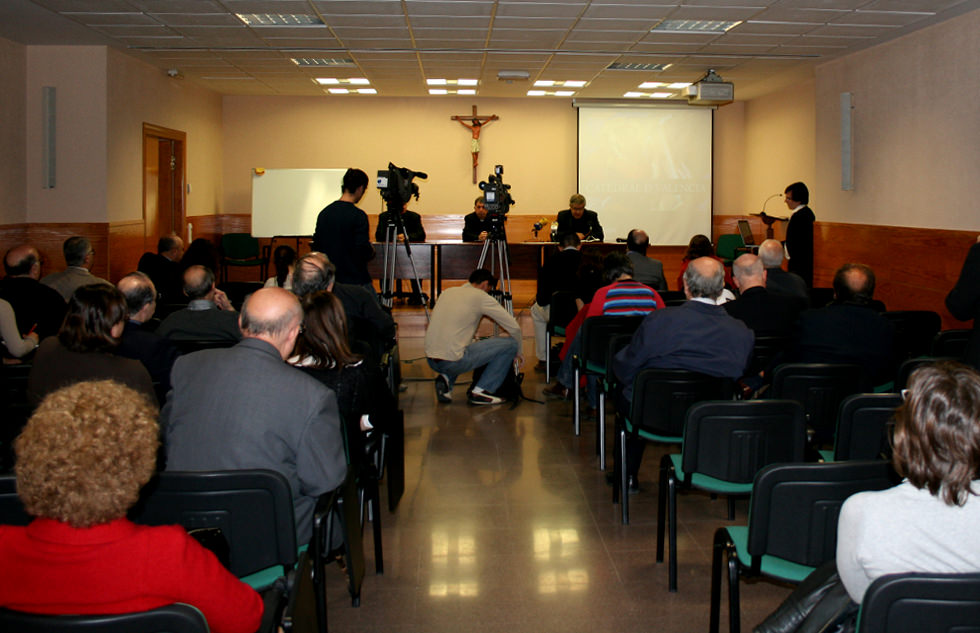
x=496, y=195
x=396, y=184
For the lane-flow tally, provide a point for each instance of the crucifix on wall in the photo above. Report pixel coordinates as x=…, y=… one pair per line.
x=475, y=124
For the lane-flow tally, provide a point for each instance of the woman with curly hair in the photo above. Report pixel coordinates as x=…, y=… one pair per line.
x=83, y=348
x=81, y=461
x=322, y=351
x=928, y=523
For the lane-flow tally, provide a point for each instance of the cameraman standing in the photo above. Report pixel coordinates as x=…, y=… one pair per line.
x=343, y=235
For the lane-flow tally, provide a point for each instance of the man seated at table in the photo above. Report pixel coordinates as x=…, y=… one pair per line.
x=476, y=225
x=577, y=219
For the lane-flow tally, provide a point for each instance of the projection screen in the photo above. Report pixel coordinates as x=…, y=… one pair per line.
x=647, y=168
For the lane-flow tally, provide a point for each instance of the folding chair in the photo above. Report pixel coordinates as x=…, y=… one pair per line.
x=173, y=618
x=913, y=603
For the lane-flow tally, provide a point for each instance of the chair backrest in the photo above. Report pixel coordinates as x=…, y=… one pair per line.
x=252, y=508
x=727, y=244
x=12, y=511
x=239, y=246
x=598, y=330
x=173, y=618
x=909, y=365
x=863, y=426
x=820, y=388
x=950, y=343
x=794, y=507
x=661, y=398
x=732, y=440
x=563, y=308
x=912, y=603
x=616, y=343
x=765, y=350
x=914, y=331
x=819, y=297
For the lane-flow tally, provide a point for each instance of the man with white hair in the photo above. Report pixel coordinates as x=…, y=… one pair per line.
x=244, y=407
x=765, y=313
x=779, y=281
x=697, y=335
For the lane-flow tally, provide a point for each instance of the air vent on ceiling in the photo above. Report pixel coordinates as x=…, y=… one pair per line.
x=279, y=19
x=321, y=62
x=657, y=68
x=694, y=26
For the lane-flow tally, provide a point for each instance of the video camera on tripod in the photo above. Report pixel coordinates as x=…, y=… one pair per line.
x=496, y=199
x=396, y=184
x=397, y=189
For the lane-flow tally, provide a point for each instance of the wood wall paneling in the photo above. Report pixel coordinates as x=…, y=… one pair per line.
x=126, y=246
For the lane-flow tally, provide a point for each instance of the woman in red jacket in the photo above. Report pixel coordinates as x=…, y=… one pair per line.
x=81, y=461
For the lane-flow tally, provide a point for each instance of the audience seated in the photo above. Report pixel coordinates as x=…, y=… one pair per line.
x=623, y=296
x=765, y=313
x=81, y=461
x=697, y=335
x=137, y=341
x=83, y=349
x=322, y=352
x=928, y=522
x=559, y=273
x=963, y=301
x=201, y=252
x=779, y=281
x=208, y=316
x=163, y=268
x=368, y=322
x=849, y=330
x=243, y=407
x=15, y=344
x=39, y=308
x=284, y=260
x=700, y=246
x=79, y=256
x=646, y=270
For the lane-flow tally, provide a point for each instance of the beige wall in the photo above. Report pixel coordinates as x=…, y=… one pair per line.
x=728, y=160
x=533, y=140
x=13, y=78
x=916, y=130
x=139, y=93
x=79, y=75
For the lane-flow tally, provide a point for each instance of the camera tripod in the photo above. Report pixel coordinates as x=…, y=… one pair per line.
x=496, y=247
x=395, y=226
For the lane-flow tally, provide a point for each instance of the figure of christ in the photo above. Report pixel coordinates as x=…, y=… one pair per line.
x=475, y=124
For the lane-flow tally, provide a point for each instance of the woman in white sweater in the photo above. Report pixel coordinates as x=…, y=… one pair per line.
x=16, y=344
x=928, y=523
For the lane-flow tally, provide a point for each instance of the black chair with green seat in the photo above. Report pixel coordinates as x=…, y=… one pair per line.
x=725, y=444
x=863, y=427
x=609, y=385
x=916, y=602
x=950, y=344
x=560, y=313
x=172, y=618
x=914, y=331
x=792, y=526
x=909, y=365
x=242, y=250
x=820, y=388
x=661, y=398
x=248, y=513
x=595, y=334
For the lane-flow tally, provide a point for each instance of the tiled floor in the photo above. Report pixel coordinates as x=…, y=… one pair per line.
x=507, y=525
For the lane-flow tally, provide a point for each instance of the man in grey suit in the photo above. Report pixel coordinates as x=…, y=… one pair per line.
x=243, y=407
x=646, y=270
x=79, y=256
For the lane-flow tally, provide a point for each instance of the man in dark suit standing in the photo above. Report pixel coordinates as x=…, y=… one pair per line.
x=799, y=232
x=243, y=407
x=476, y=225
x=577, y=219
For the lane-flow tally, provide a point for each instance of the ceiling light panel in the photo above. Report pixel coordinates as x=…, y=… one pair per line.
x=695, y=26
x=280, y=19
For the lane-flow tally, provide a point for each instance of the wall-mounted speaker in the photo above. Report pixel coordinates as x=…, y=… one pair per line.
x=48, y=120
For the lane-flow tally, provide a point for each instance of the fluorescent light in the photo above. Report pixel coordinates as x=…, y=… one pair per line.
x=652, y=84
x=536, y=93
x=679, y=85
x=438, y=91
x=324, y=81
x=633, y=95
x=542, y=83
x=662, y=95
x=338, y=91
x=574, y=84
x=359, y=81
x=468, y=82
x=435, y=82
x=564, y=93
x=466, y=91
x=367, y=91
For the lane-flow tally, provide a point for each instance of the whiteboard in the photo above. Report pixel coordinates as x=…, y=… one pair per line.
x=647, y=168
x=287, y=201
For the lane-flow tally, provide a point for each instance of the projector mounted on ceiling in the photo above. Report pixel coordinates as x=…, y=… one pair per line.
x=513, y=75
x=710, y=90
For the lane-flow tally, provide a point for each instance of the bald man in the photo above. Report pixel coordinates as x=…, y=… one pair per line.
x=697, y=335
x=765, y=313
x=39, y=308
x=244, y=407
x=208, y=317
x=779, y=281
x=138, y=341
x=646, y=270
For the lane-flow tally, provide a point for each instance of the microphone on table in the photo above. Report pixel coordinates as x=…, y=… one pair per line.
x=621, y=240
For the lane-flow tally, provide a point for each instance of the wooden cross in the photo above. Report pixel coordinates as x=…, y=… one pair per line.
x=475, y=124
